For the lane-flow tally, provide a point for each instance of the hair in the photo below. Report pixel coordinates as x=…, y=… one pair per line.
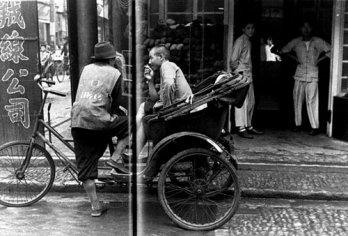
x=161, y=50
x=246, y=22
x=307, y=21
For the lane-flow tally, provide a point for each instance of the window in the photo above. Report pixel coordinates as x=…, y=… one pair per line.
x=344, y=82
x=192, y=30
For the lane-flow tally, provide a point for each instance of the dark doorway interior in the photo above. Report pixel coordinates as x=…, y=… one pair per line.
x=273, y=82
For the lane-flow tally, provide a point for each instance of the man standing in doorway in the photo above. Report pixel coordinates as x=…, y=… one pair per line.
x=240, y=62
x=308, y=50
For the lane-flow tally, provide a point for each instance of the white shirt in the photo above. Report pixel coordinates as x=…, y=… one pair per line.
x=269, y=55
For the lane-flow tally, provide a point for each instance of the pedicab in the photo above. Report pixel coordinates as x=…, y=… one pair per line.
x=191, y=159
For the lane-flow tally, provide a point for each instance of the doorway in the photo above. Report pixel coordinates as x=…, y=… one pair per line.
x=273, y=82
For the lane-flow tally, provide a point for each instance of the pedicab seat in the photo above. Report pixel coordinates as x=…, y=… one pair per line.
x=216, y=91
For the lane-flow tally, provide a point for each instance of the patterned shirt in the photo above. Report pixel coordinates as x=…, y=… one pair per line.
x=307, y=69
x=241, y=56
x=95, y=97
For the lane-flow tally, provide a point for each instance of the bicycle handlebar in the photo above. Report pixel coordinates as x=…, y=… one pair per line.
x=38, y=79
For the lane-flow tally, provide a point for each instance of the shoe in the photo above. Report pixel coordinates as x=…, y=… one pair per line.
x=314, y=132
x=99, y=211
x=244, y=134
x=118, y=166
x=254, y=131
x=297, y=128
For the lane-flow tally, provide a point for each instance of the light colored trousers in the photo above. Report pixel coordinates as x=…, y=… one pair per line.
x=244, y=114
x=306, y=91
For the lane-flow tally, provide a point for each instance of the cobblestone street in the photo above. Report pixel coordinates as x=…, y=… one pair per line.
x=68, y=214
x=281, y=217
x=278, y=164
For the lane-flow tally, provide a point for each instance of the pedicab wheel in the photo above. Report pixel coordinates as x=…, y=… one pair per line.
x=18, y=189
x=199, y=198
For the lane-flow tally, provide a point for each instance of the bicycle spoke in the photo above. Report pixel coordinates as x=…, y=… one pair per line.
x=33, y=183
x=177, y=188
x=179, y=201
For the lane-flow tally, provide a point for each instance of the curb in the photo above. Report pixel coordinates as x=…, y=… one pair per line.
x=257, y=180
x=254, y=193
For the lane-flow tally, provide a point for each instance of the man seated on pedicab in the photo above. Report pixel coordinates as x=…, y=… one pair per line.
x=173, y=88
x=96, y=117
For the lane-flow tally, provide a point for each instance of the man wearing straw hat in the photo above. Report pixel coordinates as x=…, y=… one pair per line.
x=95, y=117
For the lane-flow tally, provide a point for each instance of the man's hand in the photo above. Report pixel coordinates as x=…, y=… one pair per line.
x=148, y=73
x=233, y=65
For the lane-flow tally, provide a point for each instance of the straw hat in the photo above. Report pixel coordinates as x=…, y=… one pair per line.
x=104, y=50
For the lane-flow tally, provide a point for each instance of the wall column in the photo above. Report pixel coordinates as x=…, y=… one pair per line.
x=83, y=35
x=336, y=57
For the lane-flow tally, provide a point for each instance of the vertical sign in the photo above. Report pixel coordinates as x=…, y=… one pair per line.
x=19, y=56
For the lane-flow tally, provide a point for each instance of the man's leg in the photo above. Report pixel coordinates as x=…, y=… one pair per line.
x=251, y=104
x=89, y=147
x=120, y=146
x=240, y=116
x=141, y=137
x=97, y=207
x=312, y=102
x=298, y=97
x=89, y=186
x=250, y=111
x=120, y=129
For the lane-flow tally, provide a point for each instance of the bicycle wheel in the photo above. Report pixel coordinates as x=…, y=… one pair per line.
x=18, y=190
x=60, y=74
x=198, y=199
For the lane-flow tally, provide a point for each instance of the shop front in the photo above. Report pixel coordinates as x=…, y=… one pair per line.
x=200, y=35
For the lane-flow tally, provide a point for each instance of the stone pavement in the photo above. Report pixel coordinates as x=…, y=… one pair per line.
x=68, y=214
x=279, y=163
x=282, y=217
x=286, y=164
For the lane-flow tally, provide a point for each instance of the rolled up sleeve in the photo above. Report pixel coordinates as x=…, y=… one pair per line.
x=324, y=47
x=168, y=85
x=288, y=47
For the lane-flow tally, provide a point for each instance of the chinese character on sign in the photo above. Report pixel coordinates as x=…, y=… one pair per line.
x=11, y=48
x=14, y=87
x=10, y=12
x=18, y=111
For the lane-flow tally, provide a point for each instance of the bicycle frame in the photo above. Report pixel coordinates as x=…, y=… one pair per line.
x=68, y=165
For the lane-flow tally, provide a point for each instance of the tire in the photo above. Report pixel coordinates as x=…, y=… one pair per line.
x=60, y=74
x=198, y=199
x=38, y=176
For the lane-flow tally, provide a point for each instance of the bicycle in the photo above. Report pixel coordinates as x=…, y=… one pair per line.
x=197, y=182
x=48, y=69
x=27, y=168
x=59, y=71
x=61, y=66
